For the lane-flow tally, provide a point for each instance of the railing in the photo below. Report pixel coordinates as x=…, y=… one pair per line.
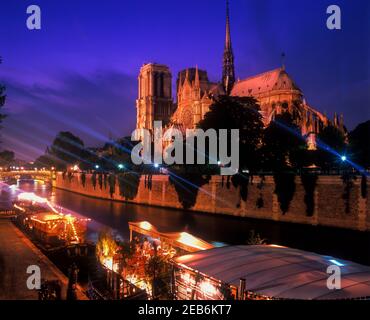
x=28, y=174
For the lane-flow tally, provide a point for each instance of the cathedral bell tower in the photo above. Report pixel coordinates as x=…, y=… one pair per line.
x=154, y=102
x=228, y=70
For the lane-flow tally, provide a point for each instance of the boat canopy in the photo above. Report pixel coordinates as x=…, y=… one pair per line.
x=280, y=272
x=182, y=240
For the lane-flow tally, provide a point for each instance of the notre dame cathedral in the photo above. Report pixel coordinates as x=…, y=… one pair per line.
x=275, y=91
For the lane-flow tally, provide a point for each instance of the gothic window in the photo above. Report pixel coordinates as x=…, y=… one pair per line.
x=187, y=119
x=161, y=85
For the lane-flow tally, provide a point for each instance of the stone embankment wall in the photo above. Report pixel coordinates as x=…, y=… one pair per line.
x=333, y=202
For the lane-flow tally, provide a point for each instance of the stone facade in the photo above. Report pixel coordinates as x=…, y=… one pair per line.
x=154, y=100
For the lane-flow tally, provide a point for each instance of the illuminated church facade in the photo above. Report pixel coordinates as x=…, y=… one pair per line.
x=275, y=91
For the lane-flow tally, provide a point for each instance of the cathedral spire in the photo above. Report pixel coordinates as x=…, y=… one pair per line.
x=283, y=56
x=196, y=81
x=187, y=75
x=228, y=71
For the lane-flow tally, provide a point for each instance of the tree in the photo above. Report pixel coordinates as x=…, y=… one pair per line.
x=158, y=274
x=2, y=100
x=331, y=143
x=283, y=146
x=117, y=153
x=46, y=161
x=283, y=150
x=238, y=113
x=6, y=158
x=359, y=144
x=68, y=148
x=255, y=239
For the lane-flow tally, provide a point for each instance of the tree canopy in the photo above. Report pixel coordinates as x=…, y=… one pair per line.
x=359, y=144
x=238, y=113
x=6, y=158
x=331, y=143
x=2, y=100
x=283, y=146
x=68, y=149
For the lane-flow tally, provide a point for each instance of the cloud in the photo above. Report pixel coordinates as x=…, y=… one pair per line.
x=91, y=105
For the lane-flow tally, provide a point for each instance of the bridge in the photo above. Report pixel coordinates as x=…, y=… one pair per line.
x=42, y=175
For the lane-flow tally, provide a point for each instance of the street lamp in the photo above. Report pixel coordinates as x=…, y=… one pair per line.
x=97, y=166
x=121, y=166
x=343, y=158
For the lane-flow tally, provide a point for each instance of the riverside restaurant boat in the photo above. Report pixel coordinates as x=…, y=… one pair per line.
x=29, y=203
x=266, y=272
x=41, y=219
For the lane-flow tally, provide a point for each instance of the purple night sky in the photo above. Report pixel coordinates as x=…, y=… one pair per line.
x=79, y=72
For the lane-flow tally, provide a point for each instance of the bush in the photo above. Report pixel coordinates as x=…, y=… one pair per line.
x=284, y=189
x=93, y=180
x=187, y=186
x=112, y=184
x=100, y=180
x=83, y=179
x=128, y=183
x=309, y=183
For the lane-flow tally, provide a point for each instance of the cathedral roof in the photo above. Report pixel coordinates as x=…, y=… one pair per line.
x=277, y=79
x=190, y=74
x=216, y=89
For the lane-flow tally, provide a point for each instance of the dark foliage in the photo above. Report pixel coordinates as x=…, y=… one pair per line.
x=330, y=139
x=364, y=186
x=238, y=113
x=112, y=184
x=187, y=186
x=105, y=180
x=70, y=176
x=309, y=183
x=2, y=100
x=241, y=181
x=260, y=202
x=68, y=149
x=128, y=183
x=283, y=146
x=360, y=144
x=47, y=161
x=284, y=189
x=100, y=181
x=83, y=179
x=93, y=180
x=347, y=178
x=6, y=158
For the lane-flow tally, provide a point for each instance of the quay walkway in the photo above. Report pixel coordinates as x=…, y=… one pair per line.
x=17, y=252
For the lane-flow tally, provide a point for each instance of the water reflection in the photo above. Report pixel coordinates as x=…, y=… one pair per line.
x=344, y=244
